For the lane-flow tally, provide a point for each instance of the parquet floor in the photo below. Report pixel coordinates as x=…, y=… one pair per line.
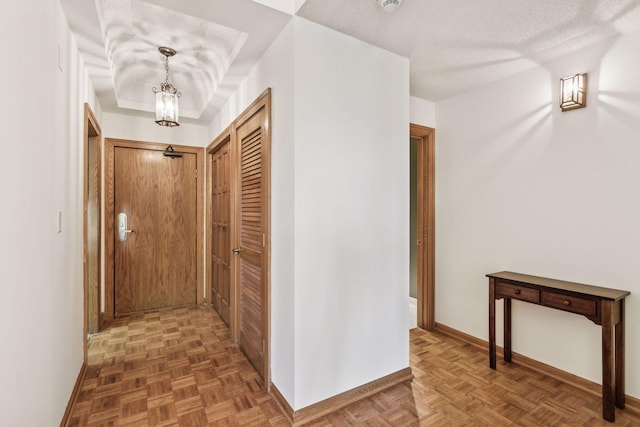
x=178, y=368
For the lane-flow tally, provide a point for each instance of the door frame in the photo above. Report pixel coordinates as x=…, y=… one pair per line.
x=263, y=101
x=426, y=224
x=110, y=215
x=92, y=136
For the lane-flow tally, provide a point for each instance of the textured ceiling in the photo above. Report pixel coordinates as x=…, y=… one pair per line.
x=453, y=45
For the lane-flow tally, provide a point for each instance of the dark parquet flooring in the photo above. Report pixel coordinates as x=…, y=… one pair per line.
x=179, y=368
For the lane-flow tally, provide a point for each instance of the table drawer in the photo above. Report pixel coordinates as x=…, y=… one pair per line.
x=568, y=303
x=504, y=290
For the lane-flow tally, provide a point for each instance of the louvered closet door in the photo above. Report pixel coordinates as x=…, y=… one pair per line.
x=221, y=244
x=251, y=234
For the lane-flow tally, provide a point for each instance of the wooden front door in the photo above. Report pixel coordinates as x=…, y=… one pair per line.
x=251, y=234
x=155, y=266
x=220, y=270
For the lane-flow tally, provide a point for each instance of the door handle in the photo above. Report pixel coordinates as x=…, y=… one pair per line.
x=123, y=232
x=236, y=250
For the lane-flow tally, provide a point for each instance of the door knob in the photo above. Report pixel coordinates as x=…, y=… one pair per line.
x=236, y=250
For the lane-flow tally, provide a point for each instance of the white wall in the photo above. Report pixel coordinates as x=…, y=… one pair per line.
x=524, y=187
x=422, y=112
x=352, y=212
x=41, y=320
x=340, y=209
x=141, y=128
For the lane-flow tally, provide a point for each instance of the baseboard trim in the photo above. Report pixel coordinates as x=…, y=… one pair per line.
x=332, y=404
x=282, y=402
x=74, y=395
x=558, y=374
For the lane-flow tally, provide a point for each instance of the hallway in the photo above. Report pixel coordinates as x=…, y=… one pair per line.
x=178, y=367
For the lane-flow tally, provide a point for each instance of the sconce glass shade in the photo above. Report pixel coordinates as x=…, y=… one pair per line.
x=573, y=92
x=167, y=109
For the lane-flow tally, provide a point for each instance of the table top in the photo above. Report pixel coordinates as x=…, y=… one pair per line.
x=579, y=288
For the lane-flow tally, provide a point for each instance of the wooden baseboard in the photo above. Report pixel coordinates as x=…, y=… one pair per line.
x=332, y=404
x=282, y=402
x=74, y=395
x=566, y=377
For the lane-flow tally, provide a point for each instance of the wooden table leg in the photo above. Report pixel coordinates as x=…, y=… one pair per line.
x=507, y=329
x=492, y=323
x=608, y=408
x=619, y=355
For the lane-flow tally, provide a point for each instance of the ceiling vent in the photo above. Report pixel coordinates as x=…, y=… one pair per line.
x=389, y=5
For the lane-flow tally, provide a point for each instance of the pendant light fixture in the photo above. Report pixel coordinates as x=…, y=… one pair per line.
x=167, y=113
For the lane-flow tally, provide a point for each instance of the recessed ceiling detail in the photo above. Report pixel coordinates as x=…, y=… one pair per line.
x=133, y=30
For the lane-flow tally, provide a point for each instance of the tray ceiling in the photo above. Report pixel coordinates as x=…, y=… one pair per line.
x=453, y=47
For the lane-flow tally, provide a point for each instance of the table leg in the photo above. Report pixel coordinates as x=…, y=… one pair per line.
x=608, y=408
x=507, y=329
x=492, y=323
x=619, y=355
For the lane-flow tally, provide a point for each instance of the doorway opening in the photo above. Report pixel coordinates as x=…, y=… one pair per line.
x=422, y=237
x=91, y=227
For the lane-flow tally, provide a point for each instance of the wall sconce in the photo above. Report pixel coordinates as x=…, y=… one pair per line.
x=573, y=92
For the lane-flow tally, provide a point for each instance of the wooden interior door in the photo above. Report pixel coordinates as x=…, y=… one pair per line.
x=424, y=137
x=252, y=223
x=155, y=267
x=220, y=269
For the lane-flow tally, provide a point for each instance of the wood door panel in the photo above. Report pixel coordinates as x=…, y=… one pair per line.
x=253, y=295
x=156, y=266
x=221, y=240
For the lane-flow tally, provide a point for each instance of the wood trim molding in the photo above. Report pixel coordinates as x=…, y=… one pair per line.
x=332, y=404
x=74, y=395
x=109, y=216
x=426, y=224
x=92, y=135
x=558, y=374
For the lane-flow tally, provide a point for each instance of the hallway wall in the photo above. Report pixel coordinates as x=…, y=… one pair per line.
x=144, y=128
x=41, y=311
x=522, y=186
x=340, y=249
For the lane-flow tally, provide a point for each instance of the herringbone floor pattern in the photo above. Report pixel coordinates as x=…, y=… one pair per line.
x=178, y=368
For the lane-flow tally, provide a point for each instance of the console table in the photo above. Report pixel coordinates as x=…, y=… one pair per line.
x=603, y=306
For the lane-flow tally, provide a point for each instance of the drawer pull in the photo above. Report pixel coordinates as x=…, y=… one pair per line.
x=517, y=292
x=566, y=303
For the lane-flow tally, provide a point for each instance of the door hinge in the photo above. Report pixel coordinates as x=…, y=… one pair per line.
x=264, y=239
x=196, y=173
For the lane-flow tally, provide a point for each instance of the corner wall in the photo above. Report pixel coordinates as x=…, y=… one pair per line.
x=522, y=186
x=340, y=209
x=41, y=292
x=352, y=213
